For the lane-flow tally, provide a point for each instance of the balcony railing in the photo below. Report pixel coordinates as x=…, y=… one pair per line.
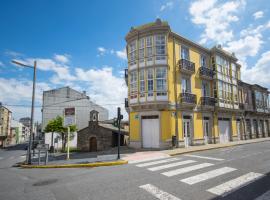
x=208, y=101
x=126, y=76
x=186, y=66
x=206, y=73
x=188, y=98
x=126, y=103
x=241, y=106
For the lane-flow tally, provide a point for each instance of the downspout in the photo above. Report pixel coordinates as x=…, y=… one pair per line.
x=175, y=95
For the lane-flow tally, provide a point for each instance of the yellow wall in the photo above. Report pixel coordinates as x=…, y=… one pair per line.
x=198, y=126
x=215, y=130
x=134, y=127
x=234, y=128
x=166, y=132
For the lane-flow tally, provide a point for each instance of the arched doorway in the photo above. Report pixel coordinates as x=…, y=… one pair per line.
x=93, y=144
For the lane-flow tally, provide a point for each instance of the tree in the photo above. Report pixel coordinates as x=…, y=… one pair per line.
x=56, y=125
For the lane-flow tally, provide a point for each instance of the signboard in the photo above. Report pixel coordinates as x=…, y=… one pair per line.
x=69, y=116
x=42, y=147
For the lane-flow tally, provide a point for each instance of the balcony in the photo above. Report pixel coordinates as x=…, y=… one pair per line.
x=188, y=98
x=126, y=76
x=208, y=101
x=206, y=73
x=186, y=66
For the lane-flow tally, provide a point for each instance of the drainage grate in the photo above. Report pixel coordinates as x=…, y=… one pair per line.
x=45, y=182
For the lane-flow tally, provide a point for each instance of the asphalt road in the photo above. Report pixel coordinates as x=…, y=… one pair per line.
x=240, y=172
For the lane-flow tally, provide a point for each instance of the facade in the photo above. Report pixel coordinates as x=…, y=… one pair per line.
x=54, y=102
x=5, y=124
x=17, y=132
x=26, y=121
x=99, y=136
x=179, y=91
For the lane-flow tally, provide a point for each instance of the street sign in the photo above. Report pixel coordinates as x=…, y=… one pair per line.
x=69, y=116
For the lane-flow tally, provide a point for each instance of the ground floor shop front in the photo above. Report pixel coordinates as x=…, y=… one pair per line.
x=162, y=129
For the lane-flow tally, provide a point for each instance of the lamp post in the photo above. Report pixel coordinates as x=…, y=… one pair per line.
x=29, y=160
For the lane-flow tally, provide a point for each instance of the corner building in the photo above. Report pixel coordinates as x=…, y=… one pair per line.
x=179, y=92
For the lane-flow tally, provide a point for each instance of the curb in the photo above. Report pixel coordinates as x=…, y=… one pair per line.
x=87, y=165
x=217, y=147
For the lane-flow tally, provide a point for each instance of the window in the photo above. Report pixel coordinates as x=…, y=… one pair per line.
x=142, y=85
x=205, y=89
x=149, y=48
x=220, y=89
x=234, y=72
x=235, y=96
x=184, y=53
x=132, y=53
x=133, y=84
x=186, y=85
x=161, y=81
x=141, y=50
x=150, y=82
x=160, y=47
x=203, y=61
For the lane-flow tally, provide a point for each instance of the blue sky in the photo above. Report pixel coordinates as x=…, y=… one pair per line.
x=81, y=43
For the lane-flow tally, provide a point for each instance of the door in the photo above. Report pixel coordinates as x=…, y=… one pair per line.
x=255, y=124
x=206, y=130
x=224, y=130
x=150, y=131
x=248, y=129
x=187, y=130
x=93, y=144
x=238, y=127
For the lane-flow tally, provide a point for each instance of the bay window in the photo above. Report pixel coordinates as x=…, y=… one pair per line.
x=150, y=82
x=160, y=47
x=141, y=50
x=142, y=84
x=161, y=81
x=132, y=53
x=149, y=48
x=133, y=85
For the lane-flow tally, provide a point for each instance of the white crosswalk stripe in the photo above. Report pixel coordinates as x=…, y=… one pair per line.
x=158, y=162
x=171, y=165
x=207, y=175
x=234, y=184
x=147, y=159
x=265, y=196
x=204, y=157
x=186, y=169
x=156, y=192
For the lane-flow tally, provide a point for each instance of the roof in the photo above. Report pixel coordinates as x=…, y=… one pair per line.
x=111, y=127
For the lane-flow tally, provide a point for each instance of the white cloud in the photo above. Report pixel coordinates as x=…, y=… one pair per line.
x=1, y=63
x=258, y=15
x=167, y=5
x=122, y=54
x=101, y=51
x=13, y=53
x=216, y=18
x=259, y=73
x=62, y=58
x=250, y=42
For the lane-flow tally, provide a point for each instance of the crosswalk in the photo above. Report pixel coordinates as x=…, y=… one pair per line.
x=175, y=167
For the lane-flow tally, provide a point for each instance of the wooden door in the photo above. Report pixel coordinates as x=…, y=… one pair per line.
x=93, y=144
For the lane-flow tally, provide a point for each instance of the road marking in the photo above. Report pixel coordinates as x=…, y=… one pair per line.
x=235, y=184
x=186, y=169
x=204, y=157
x=171, y=165
x=147, y=159
x=156, y=192
x=207, y=175
x=157, y=162
x=265, y=196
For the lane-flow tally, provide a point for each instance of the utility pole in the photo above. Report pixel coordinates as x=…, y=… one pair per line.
x=31, y=135
x=119, y=117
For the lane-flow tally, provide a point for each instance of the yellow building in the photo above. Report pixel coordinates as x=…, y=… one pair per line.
x=179, y=92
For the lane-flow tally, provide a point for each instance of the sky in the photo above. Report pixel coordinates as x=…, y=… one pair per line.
x=82, y=43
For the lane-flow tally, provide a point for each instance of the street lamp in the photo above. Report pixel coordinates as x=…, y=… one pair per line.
x=29, y=160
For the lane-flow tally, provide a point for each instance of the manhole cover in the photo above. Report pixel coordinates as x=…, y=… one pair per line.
x=45, y=182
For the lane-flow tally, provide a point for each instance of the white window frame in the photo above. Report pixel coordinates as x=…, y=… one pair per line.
x=161, y=78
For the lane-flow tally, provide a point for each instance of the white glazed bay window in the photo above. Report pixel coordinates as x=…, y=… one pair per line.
x=142, y=84
x=149, y=48
x=132, y=53
x=150, y=83
x=141, y=50
x=161, y=83
x=133, y=86
x=160, y=47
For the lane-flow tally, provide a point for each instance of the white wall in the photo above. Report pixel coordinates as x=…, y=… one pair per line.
x=48, y=136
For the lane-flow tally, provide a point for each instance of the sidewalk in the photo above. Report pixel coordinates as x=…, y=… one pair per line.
x=191, y=149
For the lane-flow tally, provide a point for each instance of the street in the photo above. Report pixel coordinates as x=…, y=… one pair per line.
x=240, y=172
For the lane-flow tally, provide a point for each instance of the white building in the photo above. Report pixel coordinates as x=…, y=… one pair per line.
x=17, y=132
